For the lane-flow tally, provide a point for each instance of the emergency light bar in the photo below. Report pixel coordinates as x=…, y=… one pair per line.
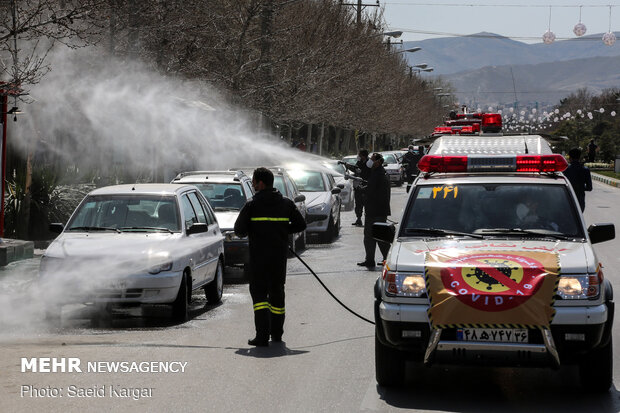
x=510, y=163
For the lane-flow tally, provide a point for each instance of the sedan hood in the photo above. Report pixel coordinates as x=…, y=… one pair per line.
x=226, y=219
x=316, y=198
x=109, y=244
x=574, y=257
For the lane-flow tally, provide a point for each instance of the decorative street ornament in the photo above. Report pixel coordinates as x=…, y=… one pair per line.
x=549, y=37
x=609, y=38
x=580, y=28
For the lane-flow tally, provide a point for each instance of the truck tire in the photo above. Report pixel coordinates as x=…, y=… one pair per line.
x=389, y=365
x=596, y=369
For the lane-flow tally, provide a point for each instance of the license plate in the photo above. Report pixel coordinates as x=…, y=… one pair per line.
x=501, y=335
x=117, y=285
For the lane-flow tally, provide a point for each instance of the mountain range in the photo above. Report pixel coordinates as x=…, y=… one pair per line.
x=481, y=67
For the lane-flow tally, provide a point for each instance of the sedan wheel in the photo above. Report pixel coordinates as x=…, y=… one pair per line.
x=181, y=303
x=215, y=288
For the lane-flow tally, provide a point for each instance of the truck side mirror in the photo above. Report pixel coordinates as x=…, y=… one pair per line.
x=601, y=232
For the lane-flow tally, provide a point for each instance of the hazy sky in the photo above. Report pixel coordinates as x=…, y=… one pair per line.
x=523, y=20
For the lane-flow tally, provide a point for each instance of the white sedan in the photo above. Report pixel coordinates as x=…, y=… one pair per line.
x=135, y=244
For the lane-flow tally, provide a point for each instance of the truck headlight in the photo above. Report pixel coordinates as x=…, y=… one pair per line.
x=579, y=287
x=404, y=284
x=317, y=208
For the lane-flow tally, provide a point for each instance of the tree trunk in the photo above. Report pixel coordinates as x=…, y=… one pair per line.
x=321, y=138
x=309, y=137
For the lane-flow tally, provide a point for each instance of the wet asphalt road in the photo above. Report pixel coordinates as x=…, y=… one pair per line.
x=326, y=362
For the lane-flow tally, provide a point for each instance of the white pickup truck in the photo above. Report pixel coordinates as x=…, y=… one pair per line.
x=492, y=264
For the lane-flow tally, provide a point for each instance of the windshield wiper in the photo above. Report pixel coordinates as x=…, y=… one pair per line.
x=87, y=229
x=520, y=231
x=146, y=228
x=435, y=231
x=225, y=209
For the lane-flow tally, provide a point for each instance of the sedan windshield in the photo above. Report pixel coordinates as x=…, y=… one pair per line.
x=308, y=181
x=503, y=210
x=126, y=213
x=223, y=196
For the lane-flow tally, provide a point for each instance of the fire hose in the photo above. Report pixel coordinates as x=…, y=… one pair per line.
x=328, y=290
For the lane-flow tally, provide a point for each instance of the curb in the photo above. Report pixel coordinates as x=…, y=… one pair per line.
x=606, y=179
x=15, y=250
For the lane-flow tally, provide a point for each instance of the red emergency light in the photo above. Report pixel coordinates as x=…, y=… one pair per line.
x=491, y=122
x=511, y=163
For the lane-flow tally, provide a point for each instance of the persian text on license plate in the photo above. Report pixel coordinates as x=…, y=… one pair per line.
x=502, y=335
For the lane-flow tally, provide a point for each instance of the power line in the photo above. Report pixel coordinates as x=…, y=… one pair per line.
x=402, y=3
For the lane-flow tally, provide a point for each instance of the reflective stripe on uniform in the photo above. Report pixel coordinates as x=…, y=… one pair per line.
x=276, y=310
x=269, y=219
x=263, y=305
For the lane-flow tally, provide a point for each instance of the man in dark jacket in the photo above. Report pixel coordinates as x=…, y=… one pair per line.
x=267, y=220
x=579, y=176
x=377, y=209
x=361, y=170
x=411, y=158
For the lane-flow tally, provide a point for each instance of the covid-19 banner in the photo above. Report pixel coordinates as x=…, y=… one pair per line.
x=491, y=289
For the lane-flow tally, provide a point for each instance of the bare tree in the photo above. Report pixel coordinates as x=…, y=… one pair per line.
x=29, y=29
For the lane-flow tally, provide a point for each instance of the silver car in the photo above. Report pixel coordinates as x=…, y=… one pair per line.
x=393, y=167
x=322, y=202
x=346, y=194
x=135, y=244
x=227, y=192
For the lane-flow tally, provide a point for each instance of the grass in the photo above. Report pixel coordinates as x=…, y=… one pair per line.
x=611, y=174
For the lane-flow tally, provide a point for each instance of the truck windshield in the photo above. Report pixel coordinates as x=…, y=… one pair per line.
x=512, y=210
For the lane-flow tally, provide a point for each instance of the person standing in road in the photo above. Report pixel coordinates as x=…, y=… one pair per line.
x=579, y=176
x=267, y=220
x=411, y=158
x=592, y=147
x=361, y=170
x=377, y=208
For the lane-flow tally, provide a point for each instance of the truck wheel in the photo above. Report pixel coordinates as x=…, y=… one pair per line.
x=389, y=365
x=596, y=369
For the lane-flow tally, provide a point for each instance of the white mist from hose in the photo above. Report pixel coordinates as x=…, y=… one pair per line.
x=101, y=112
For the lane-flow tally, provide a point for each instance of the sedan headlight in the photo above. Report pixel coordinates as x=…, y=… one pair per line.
x=579, y=287
x=317, y=208
x=404, y=284
x=156, y=269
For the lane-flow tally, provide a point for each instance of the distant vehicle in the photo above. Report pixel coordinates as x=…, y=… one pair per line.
x=287, y=187
x=350, y=159
x=135, y=244
x=393, y=167
x=322, y=200
x=227, y=192
x=346, y=194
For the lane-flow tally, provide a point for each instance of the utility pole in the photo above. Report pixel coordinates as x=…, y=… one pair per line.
x=359, y=6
